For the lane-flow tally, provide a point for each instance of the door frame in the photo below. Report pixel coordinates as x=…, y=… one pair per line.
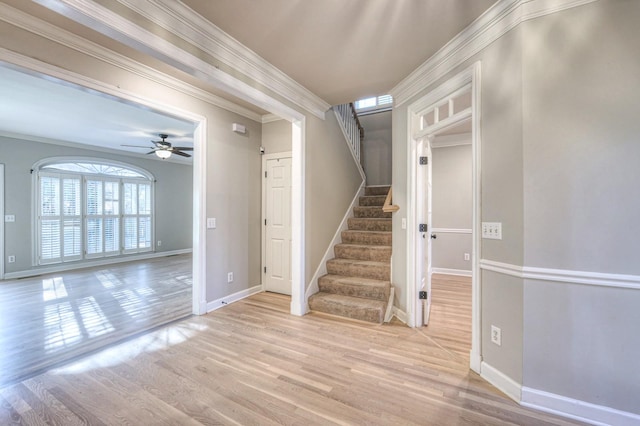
x=263, y=233
x=470, y=76
x=2, y=259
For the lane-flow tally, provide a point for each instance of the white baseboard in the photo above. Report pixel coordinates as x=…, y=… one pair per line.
x=576, y=409
x=475, y=361
x=63, y=267
x=447, y=271
x=400, y=314
x=500, y=380
x=223, y=301
x=328, y=254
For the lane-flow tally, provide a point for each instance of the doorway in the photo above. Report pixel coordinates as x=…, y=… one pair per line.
x=276, y=220
x=452, y=103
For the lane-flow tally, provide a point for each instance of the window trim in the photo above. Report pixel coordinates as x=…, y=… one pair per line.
x=38, y=170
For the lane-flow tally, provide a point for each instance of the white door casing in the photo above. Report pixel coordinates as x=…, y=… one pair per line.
x=2, y=259
x=423, y=242
x=277, y=247
x=419, y=127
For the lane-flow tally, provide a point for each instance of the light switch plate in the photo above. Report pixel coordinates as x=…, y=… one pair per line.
x=492, y=230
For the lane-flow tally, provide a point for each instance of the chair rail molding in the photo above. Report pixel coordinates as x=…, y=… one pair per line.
x=498, y=20
x=563, y=275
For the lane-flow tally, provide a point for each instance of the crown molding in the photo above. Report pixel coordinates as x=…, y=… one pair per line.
x=96, y=16
x=44, y=29
x=185, y=23
x=498, y=20
x=270, y=118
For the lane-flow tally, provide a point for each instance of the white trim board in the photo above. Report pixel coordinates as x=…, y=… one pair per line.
x=399, y=313
x=497, y=378
x=447, y=141
x=242, y=294
x=2, y=234
x=329, y=254
x=498, y=20
x=576, y=409
x=448, y=271
x=68, y=39
x=452, y=230
x=563, y=275
x=101, y=262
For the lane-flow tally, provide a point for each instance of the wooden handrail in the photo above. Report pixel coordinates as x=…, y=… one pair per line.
x=388, y=207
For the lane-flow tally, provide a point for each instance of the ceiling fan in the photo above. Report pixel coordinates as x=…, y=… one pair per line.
x=164, y=149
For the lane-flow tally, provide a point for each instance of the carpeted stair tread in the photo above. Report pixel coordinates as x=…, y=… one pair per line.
x=347, y=306
x=360, y=268
x=365, y=288
x=377, y=190
x=367, y=237
x=372, y=200
x=370, y=211
x=376, y=253
x=369, y=224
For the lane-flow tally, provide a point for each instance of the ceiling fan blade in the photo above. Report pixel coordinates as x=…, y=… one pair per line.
x=181, y=153
x=137, y=146
x=183, y=148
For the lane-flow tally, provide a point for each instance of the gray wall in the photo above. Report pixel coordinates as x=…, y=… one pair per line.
x=332, y=181
x=376, y=148
x=173, y=196
x=276, y=136
x=581, y=174
x=452, y=206
x=559, y=165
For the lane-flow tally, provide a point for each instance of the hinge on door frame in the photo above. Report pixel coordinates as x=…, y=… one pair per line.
x=265, y=222
x=265, y=174
x=423, y=227
x=265, y=269
x=424, y=161
x=422, y=295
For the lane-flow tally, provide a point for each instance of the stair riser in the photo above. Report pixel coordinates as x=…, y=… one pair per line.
x=370, y=212
x=376, y=190
x=376, y=272
x=363, y=237
x=375, y=253
x=365, y=292
x=360, y=224
x=364, y=314
x=377, y=200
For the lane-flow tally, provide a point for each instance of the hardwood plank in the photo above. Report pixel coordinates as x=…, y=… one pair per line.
x=53, y=318
x=253, y=363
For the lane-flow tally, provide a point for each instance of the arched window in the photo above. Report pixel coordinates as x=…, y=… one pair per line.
x=89, y=208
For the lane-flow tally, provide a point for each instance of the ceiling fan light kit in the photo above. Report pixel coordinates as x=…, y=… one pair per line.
x=164, y=149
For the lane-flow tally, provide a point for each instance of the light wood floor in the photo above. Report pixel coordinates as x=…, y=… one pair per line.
x=251, y=363
x=450, y=320
x=53, y=318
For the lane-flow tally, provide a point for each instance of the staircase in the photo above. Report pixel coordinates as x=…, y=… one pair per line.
x=357, y=284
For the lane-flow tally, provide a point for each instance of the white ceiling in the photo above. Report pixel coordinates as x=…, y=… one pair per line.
x=45, y=108
x=340, y=50
x=343, y=50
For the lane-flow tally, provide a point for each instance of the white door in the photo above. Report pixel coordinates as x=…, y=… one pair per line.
x=423, y=255
x=277, y=272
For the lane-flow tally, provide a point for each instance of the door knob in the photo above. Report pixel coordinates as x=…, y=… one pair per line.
x=434, y=236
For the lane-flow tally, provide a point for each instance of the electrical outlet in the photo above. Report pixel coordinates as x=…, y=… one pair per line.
x=496, y=335
x=11, y=259
x=9, y=218
x=492, y=230
x=211, y=223
x=466, y=256
x=404, y=223
x=159, y=243
x=230, y=277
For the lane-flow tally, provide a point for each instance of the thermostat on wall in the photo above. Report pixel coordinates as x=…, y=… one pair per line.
x=239, y=128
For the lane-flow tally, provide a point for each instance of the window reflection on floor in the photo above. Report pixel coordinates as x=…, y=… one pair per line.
x=60, y=326
x=53, y=288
